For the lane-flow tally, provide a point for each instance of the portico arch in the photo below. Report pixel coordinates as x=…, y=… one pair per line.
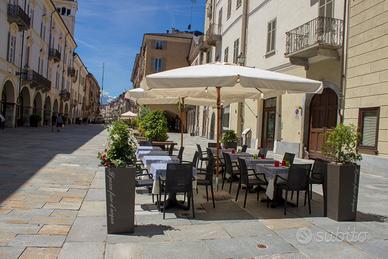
x=7, y=103
x=24, y=107
x=47, y=111
x=66, y=113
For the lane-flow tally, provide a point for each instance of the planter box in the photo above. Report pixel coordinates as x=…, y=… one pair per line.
x=342, y=191
x=230, y=145
x=120, y=200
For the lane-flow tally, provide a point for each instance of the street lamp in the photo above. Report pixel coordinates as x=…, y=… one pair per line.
x=241, y=59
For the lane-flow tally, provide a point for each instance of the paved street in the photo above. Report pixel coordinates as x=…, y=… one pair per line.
x=52, y=204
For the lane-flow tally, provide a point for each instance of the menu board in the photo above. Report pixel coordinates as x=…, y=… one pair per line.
x=120, y=199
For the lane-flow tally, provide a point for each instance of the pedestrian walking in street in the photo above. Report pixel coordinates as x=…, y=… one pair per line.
x=59, y=122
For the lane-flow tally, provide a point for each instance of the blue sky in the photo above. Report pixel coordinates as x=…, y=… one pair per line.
x=111, y=31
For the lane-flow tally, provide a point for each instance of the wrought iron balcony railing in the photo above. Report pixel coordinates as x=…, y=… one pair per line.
x=17, y=15
x=36, y=80
x=65, y=95
x=322, y=32
x=55, y=55
x=213, y=34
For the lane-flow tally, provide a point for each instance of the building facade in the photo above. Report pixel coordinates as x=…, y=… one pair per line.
x=366, y=91
x=36, y=60
x=263, y=34
x=160, y=52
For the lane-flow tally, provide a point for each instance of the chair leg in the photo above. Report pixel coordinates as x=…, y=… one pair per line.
x=164, y=206
x=292, y=195
x=267, y=202
x=285, y=203
x=230, y=186
x=297, y=199
x=223, y=180
x=238, y=190
x=153, y=199
x=192, y=204
x=207, y=194
x=158, y=197
x=305, y=198
x=311, y=191
x=246, y=194
x=211, y=189
x=258, y=193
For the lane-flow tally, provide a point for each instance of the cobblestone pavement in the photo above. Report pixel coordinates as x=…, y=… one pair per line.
x=52, y=204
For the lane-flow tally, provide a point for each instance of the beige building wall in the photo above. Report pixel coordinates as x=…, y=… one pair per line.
x=367, y=73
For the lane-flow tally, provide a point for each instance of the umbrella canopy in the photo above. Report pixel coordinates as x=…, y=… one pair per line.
x=128, y=114
x=233, y=79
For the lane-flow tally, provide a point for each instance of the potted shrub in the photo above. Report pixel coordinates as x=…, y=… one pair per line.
x=35, y=119
x=154, y=125
x=119, y=160
x=229, y=139
x=343, y=173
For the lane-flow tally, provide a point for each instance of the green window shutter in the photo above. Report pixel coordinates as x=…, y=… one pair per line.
x=8, y=45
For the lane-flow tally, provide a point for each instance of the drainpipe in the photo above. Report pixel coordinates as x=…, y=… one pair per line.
x=344, y=60
x=244, y=30
x=48, y=56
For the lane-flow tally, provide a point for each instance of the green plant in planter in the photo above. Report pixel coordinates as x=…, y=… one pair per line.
x=154, y=125
x=121, y=149
x=35, y=119
x=341, y=144
x=229, y=137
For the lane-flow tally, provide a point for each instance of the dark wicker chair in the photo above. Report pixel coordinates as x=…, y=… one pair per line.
x=141, y=173
x=171, y=149
x=145, y=143
x=202, y=156
x=179, y=179
x=289, y=157
x=318, y=175
x=298, y=180
x=259, y=179
x=244, y=148
x=180, y=154
x=208, y=179
x=230, y=169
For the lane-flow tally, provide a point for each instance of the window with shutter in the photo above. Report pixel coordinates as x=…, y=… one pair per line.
x=368, y=128
x=226, y=54
x=236, y=53
x=271, y=36
x=229, y=10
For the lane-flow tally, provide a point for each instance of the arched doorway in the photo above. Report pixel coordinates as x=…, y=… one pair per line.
x=7, y=103
x=61, y=108
x=173, y=121
x=47, y=111
x=37, y=108
x=212, y=126
x=323, y=118
x=24, y=107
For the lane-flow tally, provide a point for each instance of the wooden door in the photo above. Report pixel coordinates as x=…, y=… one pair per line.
x=269, y=124
x=323, y=118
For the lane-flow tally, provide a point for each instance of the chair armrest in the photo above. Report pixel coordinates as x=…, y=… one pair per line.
x=282, y=178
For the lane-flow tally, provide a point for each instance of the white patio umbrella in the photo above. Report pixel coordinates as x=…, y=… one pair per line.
x=207, y=81
x=128, y=114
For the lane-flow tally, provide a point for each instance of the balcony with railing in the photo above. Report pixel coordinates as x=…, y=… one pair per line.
x=321, y=36
x=17, y=15
x=213, y=34
x=54, y=55
x=71, y=71
x=65, y=95
x=35, y=80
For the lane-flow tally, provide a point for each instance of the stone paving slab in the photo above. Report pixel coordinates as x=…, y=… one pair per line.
x=88, y=229
x=7, y=252
x=82, y=250
x=40, y=253
x=59, y=230
x=38, y=240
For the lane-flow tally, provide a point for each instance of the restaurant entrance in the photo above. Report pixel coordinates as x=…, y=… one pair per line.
x=269, y=123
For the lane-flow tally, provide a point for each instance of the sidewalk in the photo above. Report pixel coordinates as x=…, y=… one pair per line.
x=53, y=205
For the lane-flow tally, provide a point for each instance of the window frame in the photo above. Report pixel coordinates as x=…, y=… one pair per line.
x=332, y=2
x=270, y=31
x=372, y=150
x=226, y=54
x=229, y=10
x=236, y=53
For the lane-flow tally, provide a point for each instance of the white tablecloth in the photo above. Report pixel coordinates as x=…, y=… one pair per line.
x=270, y=172
x=139, y=148
x=160, y=169
x=141, y=153
x=251, y=162
x=148, y=160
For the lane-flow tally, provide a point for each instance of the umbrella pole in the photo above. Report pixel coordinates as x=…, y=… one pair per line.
x=181, y=106
x=218, y=133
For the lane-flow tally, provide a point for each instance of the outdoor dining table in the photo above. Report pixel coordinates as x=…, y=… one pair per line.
x=233, y=155
x=141, y=148
x=149, y=160
x=252, y=162
x=141, y=153
x=270, y=172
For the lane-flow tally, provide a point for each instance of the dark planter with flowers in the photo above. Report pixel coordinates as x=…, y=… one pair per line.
x=343, y=175
x=120, y=173
x=229, y=139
